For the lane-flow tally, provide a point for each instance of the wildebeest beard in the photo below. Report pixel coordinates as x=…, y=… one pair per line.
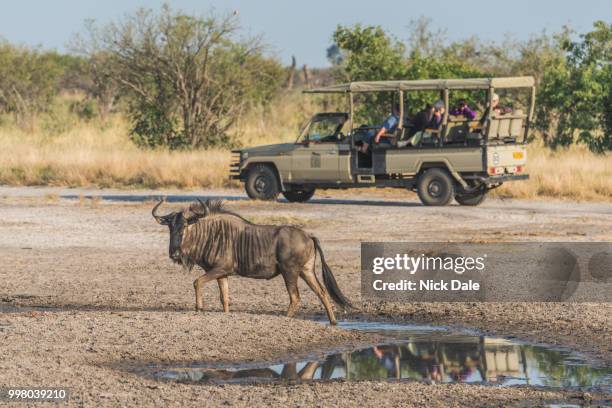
x=186, y=262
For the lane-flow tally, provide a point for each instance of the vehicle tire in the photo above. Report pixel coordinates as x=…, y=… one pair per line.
x=262, y=183
x=298, y=196
x=435, y=187
x=472, y=199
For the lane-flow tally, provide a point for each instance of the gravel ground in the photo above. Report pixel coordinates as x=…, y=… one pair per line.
x=103, y=264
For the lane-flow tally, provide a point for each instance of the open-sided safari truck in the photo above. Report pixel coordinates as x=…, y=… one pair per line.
x=461, y=159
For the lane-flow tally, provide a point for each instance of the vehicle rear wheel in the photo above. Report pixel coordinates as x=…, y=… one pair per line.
x=299, y=196
x=472, y=199
x=435, y=187
x=261, y=183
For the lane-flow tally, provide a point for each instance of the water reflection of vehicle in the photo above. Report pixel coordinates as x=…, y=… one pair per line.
x=440, y=359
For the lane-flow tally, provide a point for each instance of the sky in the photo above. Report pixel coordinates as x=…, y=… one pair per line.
x=304, y=28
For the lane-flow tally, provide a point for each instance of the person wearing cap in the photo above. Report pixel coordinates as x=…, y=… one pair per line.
x=462, y=109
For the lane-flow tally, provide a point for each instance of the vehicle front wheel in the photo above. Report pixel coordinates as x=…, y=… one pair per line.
x=298, y=196
x=261, y=183
x=435, y=187
x=472, y=199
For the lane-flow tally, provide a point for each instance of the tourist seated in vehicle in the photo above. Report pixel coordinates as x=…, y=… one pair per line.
x=463, y=109
x=388, y=128
x=438, y=116
x=495, y=108
x=424, y=120
x=421, y=121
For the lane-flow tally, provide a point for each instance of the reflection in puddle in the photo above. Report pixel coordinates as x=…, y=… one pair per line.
x=419, y=353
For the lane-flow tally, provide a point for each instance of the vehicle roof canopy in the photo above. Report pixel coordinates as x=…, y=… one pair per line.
x=427, y=84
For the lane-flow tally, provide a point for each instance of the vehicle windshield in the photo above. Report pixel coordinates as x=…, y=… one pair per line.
x=324, y=128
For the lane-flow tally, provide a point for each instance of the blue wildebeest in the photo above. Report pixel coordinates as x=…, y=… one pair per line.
x=225, y=244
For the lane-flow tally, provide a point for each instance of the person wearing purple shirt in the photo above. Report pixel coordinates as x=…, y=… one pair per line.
x=462, y=108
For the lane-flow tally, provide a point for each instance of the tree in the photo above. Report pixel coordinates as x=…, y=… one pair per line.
x=334, y=55
x=188, y=80
x=424, y=39
x=99, y=75
x=575, y=93
x=28, y=81
x=370, y=54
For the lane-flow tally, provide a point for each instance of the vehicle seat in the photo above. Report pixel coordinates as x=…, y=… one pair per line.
x=493, y=127
x=457, y=133
x=516, y=125
x=503, y=129
x=507, y=126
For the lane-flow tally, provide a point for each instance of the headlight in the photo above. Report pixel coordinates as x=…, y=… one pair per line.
x=245, y=155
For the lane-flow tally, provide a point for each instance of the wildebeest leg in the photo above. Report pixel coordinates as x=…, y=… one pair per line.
x=198, y=284
x=224, y=292
x=313, y=283
x=308, y=372
x=289, y=371
x=294, y=294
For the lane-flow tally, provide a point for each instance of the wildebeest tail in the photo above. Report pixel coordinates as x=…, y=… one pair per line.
x=330, y=282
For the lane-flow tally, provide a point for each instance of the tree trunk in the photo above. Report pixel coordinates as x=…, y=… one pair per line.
x=291, y=74
x=306, y=74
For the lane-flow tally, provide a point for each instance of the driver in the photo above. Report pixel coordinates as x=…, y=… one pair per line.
x=388, y=128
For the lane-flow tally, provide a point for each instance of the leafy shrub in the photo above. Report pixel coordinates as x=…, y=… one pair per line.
x=28, y=81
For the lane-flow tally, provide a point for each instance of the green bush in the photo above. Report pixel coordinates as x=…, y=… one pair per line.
x=28, y=81
x=153, y=128
x=575, y=95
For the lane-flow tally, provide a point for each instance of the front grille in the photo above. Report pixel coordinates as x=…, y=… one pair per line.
x=234, y=171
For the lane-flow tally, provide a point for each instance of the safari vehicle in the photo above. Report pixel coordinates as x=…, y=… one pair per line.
x=463, y=159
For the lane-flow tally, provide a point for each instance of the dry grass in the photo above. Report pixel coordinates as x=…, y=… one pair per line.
x=77, y=153
x=575, y=174
x=90, y=155
x=93, y=154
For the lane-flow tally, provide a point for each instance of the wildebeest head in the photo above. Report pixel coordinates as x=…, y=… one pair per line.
x=178, y=222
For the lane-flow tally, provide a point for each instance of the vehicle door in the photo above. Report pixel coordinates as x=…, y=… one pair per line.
x=321, y=150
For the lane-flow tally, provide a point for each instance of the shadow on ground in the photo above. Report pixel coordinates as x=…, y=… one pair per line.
x=190, y=198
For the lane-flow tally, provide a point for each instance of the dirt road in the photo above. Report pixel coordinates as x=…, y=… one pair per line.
x=100, y=259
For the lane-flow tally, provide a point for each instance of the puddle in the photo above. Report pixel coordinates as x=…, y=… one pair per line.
x=421, y=353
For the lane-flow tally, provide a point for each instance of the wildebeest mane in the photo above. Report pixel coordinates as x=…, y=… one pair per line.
x=215, y=207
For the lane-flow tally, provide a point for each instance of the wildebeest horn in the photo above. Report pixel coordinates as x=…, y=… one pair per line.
x=160, y=219
x=204, y=208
